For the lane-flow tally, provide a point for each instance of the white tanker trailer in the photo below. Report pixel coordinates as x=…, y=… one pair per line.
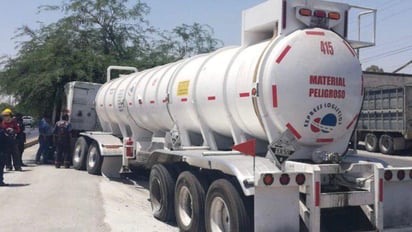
x=253, y=137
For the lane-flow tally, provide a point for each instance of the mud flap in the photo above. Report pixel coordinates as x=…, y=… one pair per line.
x=111, y=167
x=276, y=207
x=397, y=200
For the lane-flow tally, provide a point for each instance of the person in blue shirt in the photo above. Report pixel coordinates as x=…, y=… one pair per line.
x=45, y=130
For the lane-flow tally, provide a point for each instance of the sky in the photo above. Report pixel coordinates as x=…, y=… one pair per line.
x=393, y=39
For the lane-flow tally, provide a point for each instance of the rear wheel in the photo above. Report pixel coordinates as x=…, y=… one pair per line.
x=225, y=209
x=162, y=184
x=94, y=159
x=386, y=144
x=371, y=142
x=80, y=153
x=189, y=203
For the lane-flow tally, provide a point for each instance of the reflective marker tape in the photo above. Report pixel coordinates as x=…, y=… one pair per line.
x=350, y=48
x=244, y=94
x=321, y=33
x=294, y=131
x=274, y=96
x=381, y=190
x=317, y=194
x=283, y=54
x=325, y=140
x=353, y=120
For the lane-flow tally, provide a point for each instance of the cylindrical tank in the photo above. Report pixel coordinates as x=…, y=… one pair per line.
x=309, y=83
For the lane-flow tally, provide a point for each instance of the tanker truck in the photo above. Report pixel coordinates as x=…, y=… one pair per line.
x=254, y=137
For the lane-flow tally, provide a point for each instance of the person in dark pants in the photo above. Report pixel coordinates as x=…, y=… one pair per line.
x=2, y=154
x=11, y=128
x=20, y=137
x=61, y=132
x=44, y=142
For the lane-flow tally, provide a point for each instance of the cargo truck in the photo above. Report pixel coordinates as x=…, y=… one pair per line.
x=385, y=123
x=255, y=137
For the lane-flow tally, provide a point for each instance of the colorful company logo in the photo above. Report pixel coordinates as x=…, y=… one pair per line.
x=325, y=124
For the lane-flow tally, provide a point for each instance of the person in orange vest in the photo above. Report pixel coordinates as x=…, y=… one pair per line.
x=11, y=128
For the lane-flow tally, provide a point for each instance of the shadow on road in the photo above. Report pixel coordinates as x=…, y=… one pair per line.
x=139, y=178
x=16, y=185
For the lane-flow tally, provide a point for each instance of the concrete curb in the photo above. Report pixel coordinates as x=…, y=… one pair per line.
x=31, y=143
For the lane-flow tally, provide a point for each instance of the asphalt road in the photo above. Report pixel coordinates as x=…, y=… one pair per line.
x=43, y=198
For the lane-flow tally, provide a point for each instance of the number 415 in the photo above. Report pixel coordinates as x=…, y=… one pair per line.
x=326, y=47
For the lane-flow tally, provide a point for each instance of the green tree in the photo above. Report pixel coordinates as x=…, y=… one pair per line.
x=374, y=68
x=93, y=35
x=182, y=42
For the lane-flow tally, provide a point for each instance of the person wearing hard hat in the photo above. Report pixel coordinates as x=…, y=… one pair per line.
x=11, y=128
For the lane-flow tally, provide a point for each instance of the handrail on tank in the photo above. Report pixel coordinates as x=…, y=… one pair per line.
x=113, y=67
x=367, y=11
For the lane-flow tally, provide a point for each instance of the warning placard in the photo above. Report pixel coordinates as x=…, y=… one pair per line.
x=183, y=88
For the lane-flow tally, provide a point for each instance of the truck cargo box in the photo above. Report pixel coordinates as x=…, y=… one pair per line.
x=386, y=119
x=387, y=109
x=80, y=105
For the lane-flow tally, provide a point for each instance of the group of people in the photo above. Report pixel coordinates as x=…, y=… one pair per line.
x=13, y=137
x=60, y=136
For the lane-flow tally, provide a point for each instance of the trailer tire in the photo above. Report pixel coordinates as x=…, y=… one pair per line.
x=371, y=142
x=225, y=209
x=162, y=185
x=80, y=154
x=190, y=202
x=94, y=159
x=386, y=144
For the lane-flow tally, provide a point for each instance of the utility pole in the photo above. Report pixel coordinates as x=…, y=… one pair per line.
x=402, y=67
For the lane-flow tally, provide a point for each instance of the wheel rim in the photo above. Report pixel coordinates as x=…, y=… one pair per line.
x=219, y=215
x=386, y=143
x=155, y=195
x=77, y=154
x=185, y=207
x=370, y=141
x=92, y=156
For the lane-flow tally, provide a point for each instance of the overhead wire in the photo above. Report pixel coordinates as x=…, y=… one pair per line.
x=390, y=44
x=386, y=54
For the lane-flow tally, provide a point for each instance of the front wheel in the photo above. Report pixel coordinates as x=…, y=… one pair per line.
x=94, y=159
x=225, y=209
x=80, y=154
